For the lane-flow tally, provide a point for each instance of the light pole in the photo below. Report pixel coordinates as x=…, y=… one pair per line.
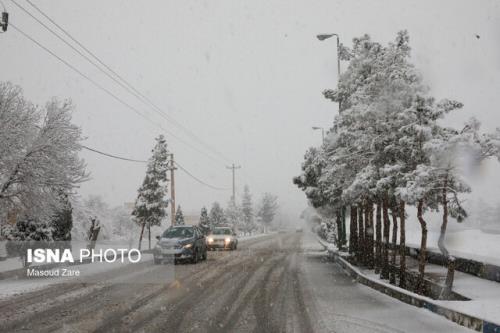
x=322, y=132
x=322, y=37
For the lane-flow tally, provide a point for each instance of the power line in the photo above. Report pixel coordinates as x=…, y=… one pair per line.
x=126, y=85
x=113, y=156
x=143, y=161
x=72, y=47
x=108, y=91
x=199, y=180
x=78, y=71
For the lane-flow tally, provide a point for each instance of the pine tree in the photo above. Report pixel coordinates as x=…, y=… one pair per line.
x=151, y=203
x=179, y=216
x=233, y=214
x=268, y=209
x=247, y=211
x=204, y=223
x=217, y=216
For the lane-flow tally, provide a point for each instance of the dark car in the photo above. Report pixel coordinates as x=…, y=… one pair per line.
x=180, y=243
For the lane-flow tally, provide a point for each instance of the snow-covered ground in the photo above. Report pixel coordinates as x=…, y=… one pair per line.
x=12, y=287
x=484, y=295
x=465, y=243
x=470, y=244
x=460, y=240
x=343, y=305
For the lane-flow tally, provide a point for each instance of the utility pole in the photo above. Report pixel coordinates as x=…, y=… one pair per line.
x=4, y=23
x=172, y=189
x=233, y=169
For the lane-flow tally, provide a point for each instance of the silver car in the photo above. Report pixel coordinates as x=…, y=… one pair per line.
x=222, y=238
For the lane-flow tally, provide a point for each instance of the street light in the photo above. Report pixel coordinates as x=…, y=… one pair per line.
x=323, y=37
x=322, y=132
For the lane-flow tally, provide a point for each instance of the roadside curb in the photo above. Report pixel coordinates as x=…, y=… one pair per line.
x=463, y=319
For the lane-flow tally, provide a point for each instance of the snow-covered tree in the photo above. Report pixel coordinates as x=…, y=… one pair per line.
x=38, y=154
x=233, y=214
x=268, y=208
x=116, y=222
x=62, y=220
x=388, y=148
x=204, y=223
x=151, y=202
x=248, y=224
x=121, y=226
x=217, y=215
x=448, y=151
x=179, y=216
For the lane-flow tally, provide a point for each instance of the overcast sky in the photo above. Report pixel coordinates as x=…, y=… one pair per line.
x=245, y=76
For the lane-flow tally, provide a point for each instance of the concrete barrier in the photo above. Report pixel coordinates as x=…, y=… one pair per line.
x=469, y=266
x=405, y=296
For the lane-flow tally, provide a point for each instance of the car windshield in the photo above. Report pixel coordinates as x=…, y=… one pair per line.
x=222, y=232
x=178, y=233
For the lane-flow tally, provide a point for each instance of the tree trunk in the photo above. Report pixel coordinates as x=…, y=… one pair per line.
x=353, y=235
x=369, y=233
x=445, y=293
x=423, y=247
x=450, y=275
x=361, y=237
x=385, y=240
x=402, y=245
x=344, y=227
x=392, y=276
x=93, y=234
x=378, y=238
x=140, y=237
x=149, y=235
x=372, y=242
x=338, y=219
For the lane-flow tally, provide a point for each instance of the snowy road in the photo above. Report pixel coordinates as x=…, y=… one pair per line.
x=278, y=283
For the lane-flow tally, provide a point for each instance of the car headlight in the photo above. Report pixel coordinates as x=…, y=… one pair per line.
x=210, y=240
x=227, y=240
x=188, y=246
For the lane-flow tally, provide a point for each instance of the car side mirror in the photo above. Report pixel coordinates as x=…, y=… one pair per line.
x=158, y=237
